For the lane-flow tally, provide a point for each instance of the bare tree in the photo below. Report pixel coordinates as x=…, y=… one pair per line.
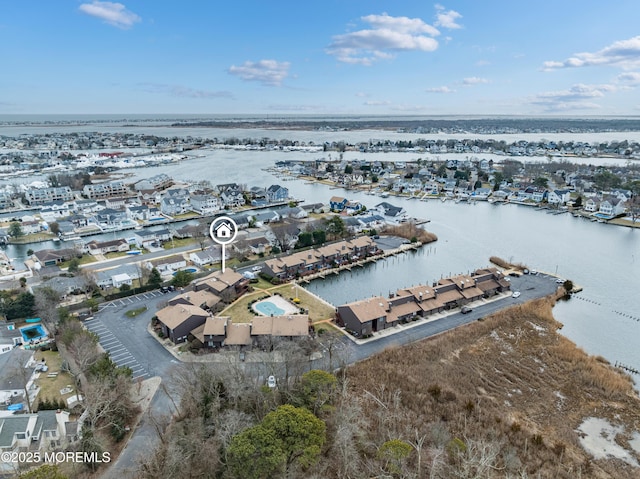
x=284, y=233
x=46, y=302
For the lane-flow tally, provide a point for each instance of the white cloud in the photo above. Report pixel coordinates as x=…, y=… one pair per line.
x=624, y=54
x=183, y=91
x=629, y=78
x=377, y=103
x=440, y=89
x=575, y=98
x=388, y=34
x=267, y=72
x=282, y=107
x=475, y=81
x=115, y=14
x=447, y=19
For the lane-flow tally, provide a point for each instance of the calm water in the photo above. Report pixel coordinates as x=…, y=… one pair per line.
x=605, y=260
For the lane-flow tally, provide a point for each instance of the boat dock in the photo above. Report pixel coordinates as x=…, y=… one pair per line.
x=360, y=263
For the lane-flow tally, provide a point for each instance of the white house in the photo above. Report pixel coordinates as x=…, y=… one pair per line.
x=204, y=204
x=612, y=206
x=170, y=264
x=591, y=205
x=208, y=256
x=558, y=197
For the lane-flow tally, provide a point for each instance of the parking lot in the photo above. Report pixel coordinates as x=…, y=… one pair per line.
x=127, y=340
x=129, y=300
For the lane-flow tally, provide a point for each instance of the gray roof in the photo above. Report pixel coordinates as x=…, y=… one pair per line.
x=10, y=376
x=9, y=426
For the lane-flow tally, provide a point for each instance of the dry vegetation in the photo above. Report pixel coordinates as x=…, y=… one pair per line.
x=505, y=264
x=508, y=388
x=410, y=230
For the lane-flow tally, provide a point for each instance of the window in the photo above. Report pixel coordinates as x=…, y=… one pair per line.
x=21, y=435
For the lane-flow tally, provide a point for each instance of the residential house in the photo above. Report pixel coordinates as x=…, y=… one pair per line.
x=277, y=194
x=292, y=212
x=17, y=368
x=10, y=336
x=174, y=206
x=558, y=197
x=228, y=285
x=213, y=332
x=51, y=257
x=103, y=247
x=285, y=327
x=169, y=265
x=204, y=204
x=238, y=335
x=265, y=217
x=592, y=205
x=390, y=211
x=232, y=198
x=179, y=320
x=337, y=203
x=157, y=182
x=43, y=431
x=116, y=277
x=110, y=218
x=203, y=299
x=612, y=206
x=39, y=196
x=208, y=256
x=105, y=190
x=375, y=314
x=138, y=212
x=145, y=238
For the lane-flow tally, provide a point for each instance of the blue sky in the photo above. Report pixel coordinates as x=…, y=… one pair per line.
x=464, y=57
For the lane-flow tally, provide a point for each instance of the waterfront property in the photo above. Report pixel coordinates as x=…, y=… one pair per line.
x=228, y=285
x=313, y=260
x=363, y=318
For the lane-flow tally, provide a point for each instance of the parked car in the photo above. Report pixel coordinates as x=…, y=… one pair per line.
x=271, y=382
x=560, y=281
x=466, y=309
x=516, y=294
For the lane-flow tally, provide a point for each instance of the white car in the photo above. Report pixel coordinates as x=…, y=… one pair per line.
x=516, y=294
x=560, y=281
x=271, y=382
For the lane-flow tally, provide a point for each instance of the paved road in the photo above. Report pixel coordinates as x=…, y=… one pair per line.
x=132, y=334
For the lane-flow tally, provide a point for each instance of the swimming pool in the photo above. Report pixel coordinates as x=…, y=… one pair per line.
x=33, y=333
x=267, y=308
x=275, y=306
x=190, y=269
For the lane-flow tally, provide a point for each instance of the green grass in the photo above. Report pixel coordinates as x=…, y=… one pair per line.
x=86, y=259
x=132, y=313
x=176, y=243
x=115, y=254
x=32, y=238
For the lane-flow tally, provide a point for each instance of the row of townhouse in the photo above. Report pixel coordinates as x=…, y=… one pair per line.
x=313, y=260
x=189, y=316
x=40, y=196
x=110, y=189
x=378, y=313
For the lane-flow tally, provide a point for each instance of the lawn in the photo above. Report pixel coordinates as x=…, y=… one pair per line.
x=32, y=238
x=86, y=259
x=50, y=386
x=177, y=243
x=318, y=310
x=132, y=313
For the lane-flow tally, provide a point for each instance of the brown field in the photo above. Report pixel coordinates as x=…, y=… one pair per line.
x=511, y=382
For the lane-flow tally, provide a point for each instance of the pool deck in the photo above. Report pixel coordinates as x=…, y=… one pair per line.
x=280, y=303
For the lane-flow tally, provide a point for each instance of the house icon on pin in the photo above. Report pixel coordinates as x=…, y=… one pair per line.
x=223, y=231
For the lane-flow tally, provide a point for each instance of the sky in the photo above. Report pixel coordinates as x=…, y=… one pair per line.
x=342, y=57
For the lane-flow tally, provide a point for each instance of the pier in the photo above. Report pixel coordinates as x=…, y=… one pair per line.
x=626, y=368
x=360, y=263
